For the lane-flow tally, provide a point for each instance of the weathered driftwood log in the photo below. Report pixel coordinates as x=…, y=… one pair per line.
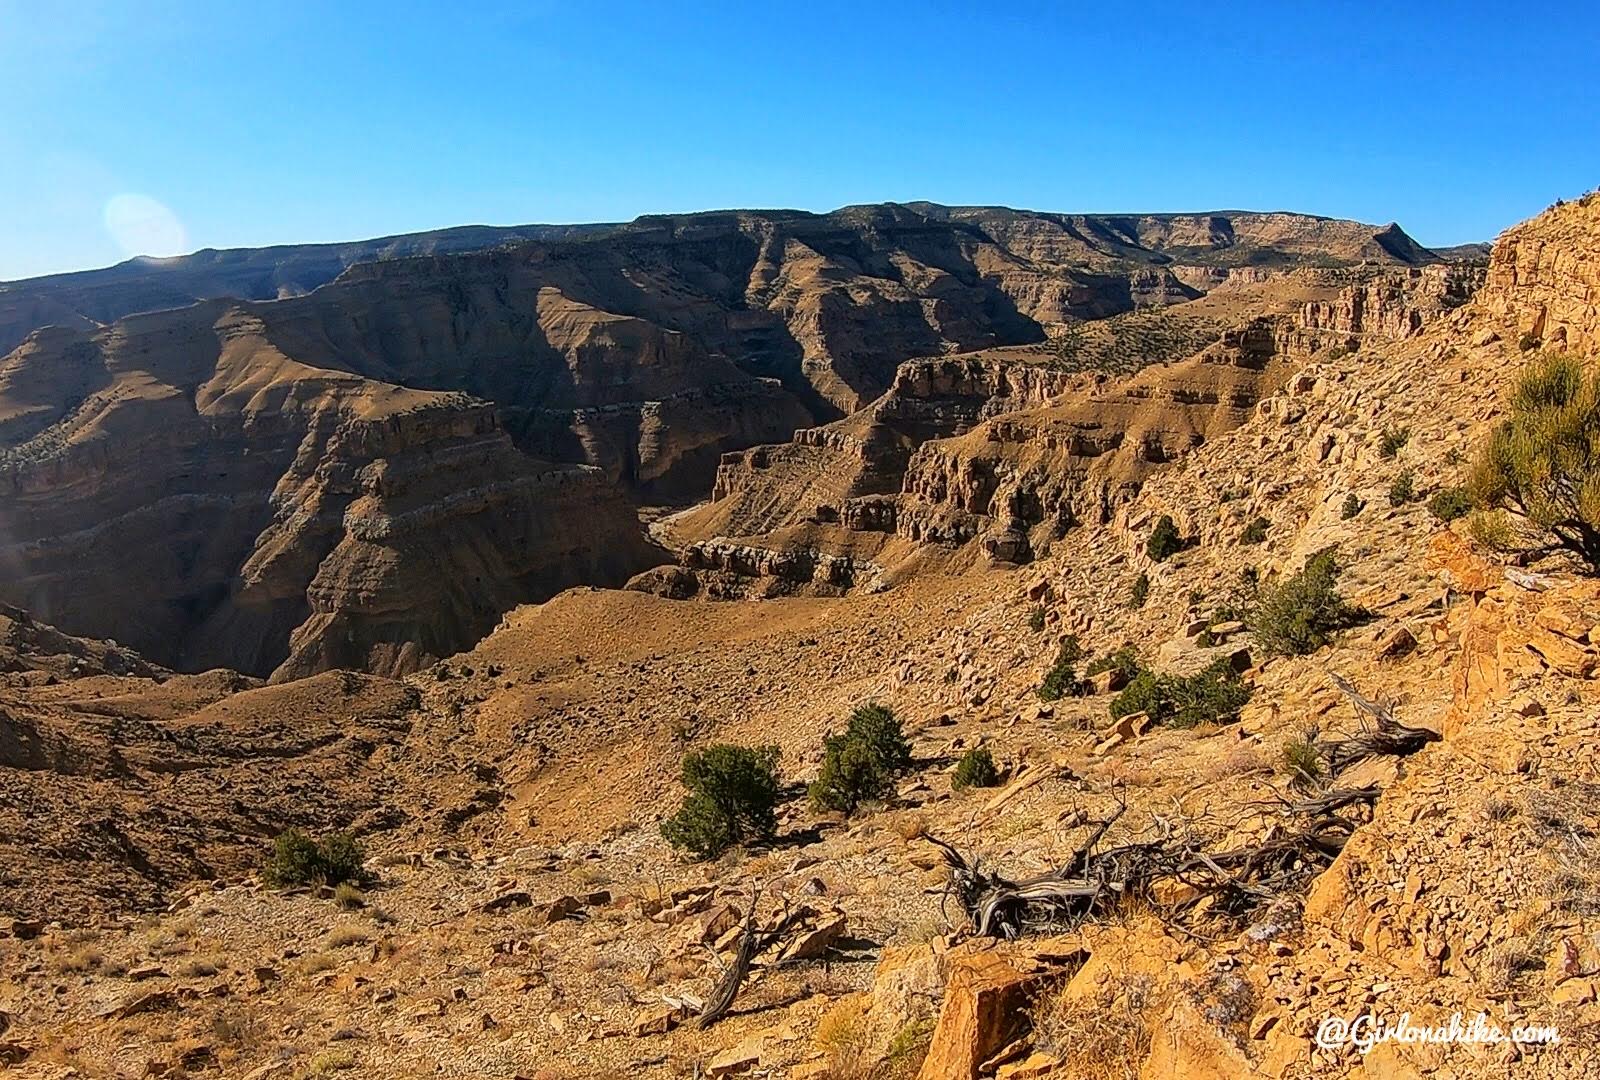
x=1093, y=883
x=1389, y=736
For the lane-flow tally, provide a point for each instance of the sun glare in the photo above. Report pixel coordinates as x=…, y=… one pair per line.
x=142, y=226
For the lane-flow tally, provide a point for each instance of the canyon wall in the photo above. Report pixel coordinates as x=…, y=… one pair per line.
x=1545, y=275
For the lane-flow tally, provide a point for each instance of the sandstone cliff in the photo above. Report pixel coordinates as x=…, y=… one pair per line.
x=1545, y=275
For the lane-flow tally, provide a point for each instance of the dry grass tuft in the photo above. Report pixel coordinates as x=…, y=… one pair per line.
x=1104, y=1037
x=200, y=967
x=78, y=961
x=347, y=934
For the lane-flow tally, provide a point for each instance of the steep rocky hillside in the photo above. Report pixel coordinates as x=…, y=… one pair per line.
x=369, y=474
x=526, y=918
x=1007, y=450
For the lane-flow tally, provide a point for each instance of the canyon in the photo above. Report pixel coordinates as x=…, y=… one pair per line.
x=363, y=455
x=934, y=548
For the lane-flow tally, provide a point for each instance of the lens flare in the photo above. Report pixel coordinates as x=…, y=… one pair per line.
x=142, y=226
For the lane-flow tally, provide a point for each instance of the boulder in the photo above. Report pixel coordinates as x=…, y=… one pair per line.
x=659, y=1019
x=985, y=1007
x=513, y=898
x=1398, y=641
x=553, y=911
x=814, y=944
x=737, y=1059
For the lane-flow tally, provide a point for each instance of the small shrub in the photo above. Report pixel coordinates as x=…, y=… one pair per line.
x=1255, y=532
x=1164, y=541
x=1493, y=529
x=1196, y=597
x=349, y=897
x=1392, y=439
x=851, y=775
x=200, y=967
x=1036, y=618
x=1450, y=503
x=1062, y=678
x=1124, y=661
x=878, y=727
x=1140, y=591
x=1543, y=461
x=1213, y=695
x=1403, y=488
x=1352, y=506
x=733, y=791
x=1528, y=342
x=298, y=859
x=332, y=1061
x=84, y=959
x=861, y=764
x=1300, y=614
x=975, y=769
x=1302, y=760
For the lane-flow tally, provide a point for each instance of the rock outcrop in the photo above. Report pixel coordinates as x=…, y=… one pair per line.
x=1545, y=275
x=1391, y=306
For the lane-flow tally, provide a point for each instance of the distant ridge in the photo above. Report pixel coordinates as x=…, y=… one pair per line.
x=1220, y=238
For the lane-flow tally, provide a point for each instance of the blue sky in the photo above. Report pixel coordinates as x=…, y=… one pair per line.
x=139, y=125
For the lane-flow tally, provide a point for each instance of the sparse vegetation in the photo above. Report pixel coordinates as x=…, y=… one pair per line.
x=1403, y=488
x=349, y=897
x=1106, y=1036
x=1352, y=506
x=78, y=961
x=1164, y=541
x=1213, y=695
x=1392, y=439
x=975, y=769
x=1300, y=614
x=1493, y=529
x=1449, y=503
x=1140, y=591
x=1528, y=342
x=1062, y=678
x=1127, y=342
x=1036, y=618
x=1124, y=661
x=1543, y=461
x=733, y=792
x=347, y=934
x=1255, y=532
x=861, y=764
x=328, y=1062
x=1302, y=760
x=298, y=859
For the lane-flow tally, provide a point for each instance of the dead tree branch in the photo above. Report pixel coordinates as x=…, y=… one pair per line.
x=752, y=943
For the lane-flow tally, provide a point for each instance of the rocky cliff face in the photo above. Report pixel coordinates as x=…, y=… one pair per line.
x=215, y=503
x=1545, y=274
x=994, y=447
x=1393, y=305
